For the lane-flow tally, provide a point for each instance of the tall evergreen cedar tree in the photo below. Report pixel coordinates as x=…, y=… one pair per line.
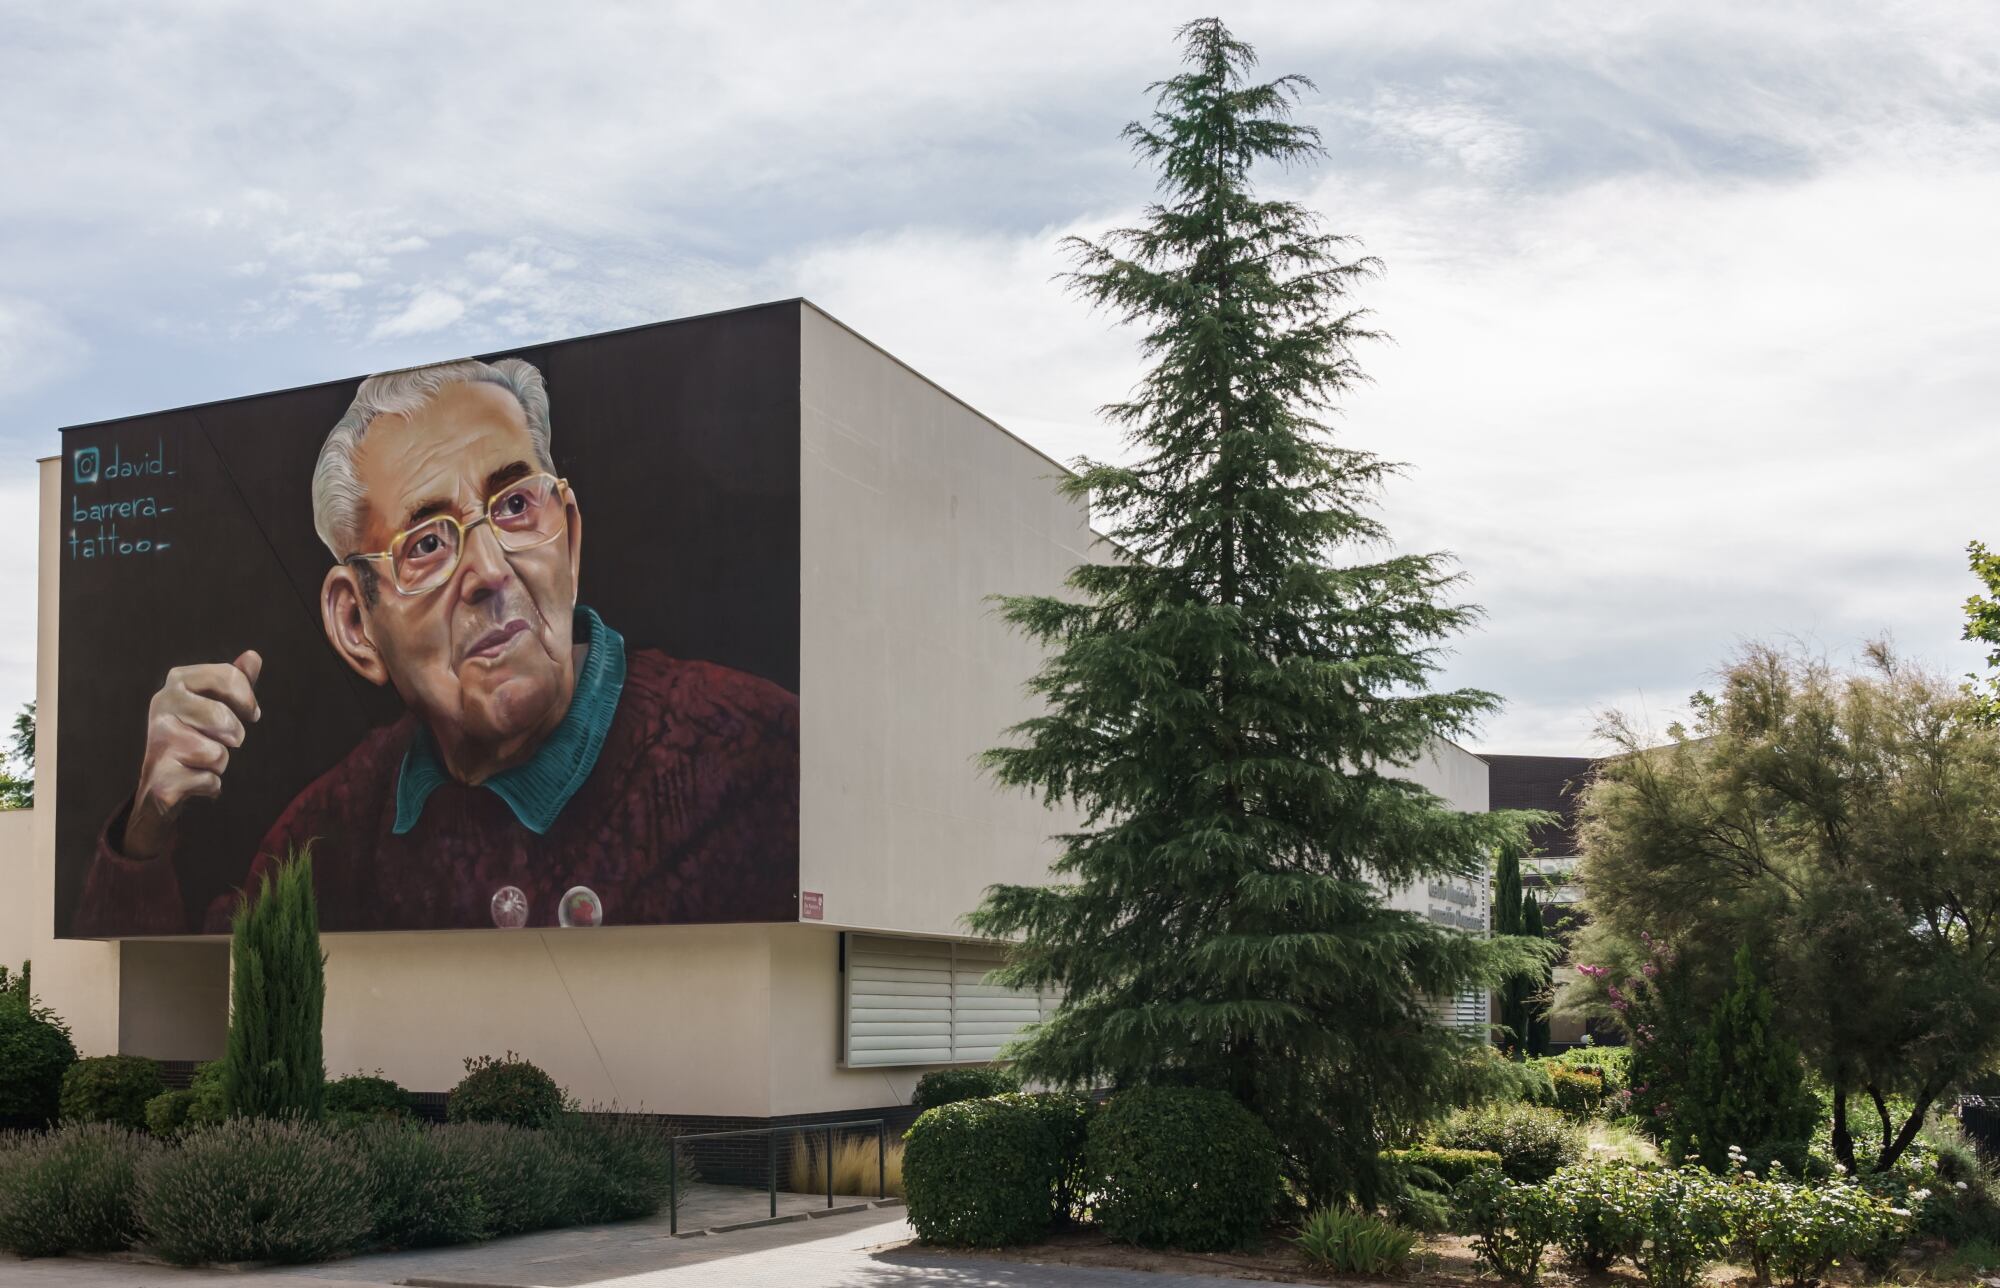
x=1228, y=707
x=273, y=1065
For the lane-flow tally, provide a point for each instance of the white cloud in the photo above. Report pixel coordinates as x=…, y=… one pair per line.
x=36, y=347
x=1693, y=302
x=431, y=310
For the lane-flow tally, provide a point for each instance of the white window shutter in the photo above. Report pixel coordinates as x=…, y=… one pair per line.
x=918, y=1001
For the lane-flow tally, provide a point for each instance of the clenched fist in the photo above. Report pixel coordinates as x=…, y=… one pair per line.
x=196, y=719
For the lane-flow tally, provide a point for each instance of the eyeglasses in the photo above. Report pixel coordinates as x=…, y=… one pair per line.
x=524, y=515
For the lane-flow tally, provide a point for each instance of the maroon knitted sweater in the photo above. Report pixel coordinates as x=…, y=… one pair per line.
x=691, y=814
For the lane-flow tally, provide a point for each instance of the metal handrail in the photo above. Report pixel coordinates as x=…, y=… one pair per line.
x=771, y=1160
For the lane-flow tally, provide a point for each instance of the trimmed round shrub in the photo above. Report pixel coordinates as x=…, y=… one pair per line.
x=35, y=1053
x=1182, y=1168
x=526, y=1180
x=420, y=1196
x=71, y=1190
x=949, y=1086
x=110, y=1089
x=982, y=1173
x=255, y=1189
x=1067, y=1115
x=364, y=1096
x=1533, y=1143
x=505, y=1089
x=1579, y=1093
x=167, y=1113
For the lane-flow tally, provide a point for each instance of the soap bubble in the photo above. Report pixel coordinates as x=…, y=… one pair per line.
x=510, y=908
x=580, y=906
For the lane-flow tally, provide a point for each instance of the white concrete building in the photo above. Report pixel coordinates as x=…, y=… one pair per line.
x=913, y=509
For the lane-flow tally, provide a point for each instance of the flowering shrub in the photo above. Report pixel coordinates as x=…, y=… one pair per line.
x=1512, y=1225
x=1597, y=1213
x=1797, y=1231
x=1685, y=1214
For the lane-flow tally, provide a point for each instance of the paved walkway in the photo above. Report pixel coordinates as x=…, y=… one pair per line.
x=823, y=1252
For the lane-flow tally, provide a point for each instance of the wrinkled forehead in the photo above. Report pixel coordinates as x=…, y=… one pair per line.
x=444, y=456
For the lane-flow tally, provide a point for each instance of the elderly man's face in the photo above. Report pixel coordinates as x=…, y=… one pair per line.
x=484, y=659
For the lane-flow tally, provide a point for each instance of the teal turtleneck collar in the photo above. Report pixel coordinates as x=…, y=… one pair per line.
x=537, y=790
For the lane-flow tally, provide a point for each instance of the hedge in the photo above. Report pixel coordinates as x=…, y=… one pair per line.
x=1533, y=1143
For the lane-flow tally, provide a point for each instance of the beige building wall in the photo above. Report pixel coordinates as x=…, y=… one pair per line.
x=915, y=509
x=79, y=980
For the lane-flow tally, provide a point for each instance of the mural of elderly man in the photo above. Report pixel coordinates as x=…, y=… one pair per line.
x=538, y=754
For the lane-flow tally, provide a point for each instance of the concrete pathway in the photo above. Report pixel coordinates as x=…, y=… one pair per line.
x=822, y=1252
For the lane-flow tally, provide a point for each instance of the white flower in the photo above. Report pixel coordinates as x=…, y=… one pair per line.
x=1960, y=1187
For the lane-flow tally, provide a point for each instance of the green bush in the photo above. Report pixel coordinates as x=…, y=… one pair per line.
x=1579, y=1093
x=1533, y=1143
x=255, y=1189
x=505, y=1089
x=420, y=1195
x=1612, y=1064
x=198, y=1105
x=1796, y=1232
x=982, y=1173
x=1450, y=1166
x=1685, y=1213
x=1181, y=1168
x=1346, y=1242
x=527, y=1184
x=1597, y=1214
x=110, y=1089
x=35, y=1053
x=362, y=1096
x=208, y=1107
x=949, y=1086
x=1512, y=1225
x=71, y=1190
x=1067, y=1115
x=619, y=1167
x=167, y=1113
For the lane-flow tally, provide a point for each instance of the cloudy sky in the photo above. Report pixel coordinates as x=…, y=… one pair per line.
x=1695, y=308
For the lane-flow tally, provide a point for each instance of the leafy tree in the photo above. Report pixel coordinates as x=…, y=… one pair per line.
x=1745, y=1085
x=17, y=766
x=35, y=1052
x=273, y=1065
x=1844, y=820
x=1982, y=624
x=1229, y=708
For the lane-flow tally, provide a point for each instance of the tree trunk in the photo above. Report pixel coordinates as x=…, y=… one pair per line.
x=1911, y=1127
x=1843, y=1144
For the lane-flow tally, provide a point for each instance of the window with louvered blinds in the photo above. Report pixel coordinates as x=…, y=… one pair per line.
x=924, y=1001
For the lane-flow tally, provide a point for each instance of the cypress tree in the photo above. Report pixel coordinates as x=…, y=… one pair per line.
x=1514, y=990
x=1230, y=707
x=1534, y=985
x=273, y=1065
x=1746, y=1085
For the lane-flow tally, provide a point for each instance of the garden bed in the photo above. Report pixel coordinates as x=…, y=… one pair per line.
x=1443, y=1261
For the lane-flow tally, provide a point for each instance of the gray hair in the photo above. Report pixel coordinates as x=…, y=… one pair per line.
x=337, y=495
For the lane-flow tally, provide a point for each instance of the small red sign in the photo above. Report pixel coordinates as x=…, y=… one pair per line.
x=812, y=906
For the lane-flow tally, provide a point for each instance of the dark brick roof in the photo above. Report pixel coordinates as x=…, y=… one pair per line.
x=1541, y=782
